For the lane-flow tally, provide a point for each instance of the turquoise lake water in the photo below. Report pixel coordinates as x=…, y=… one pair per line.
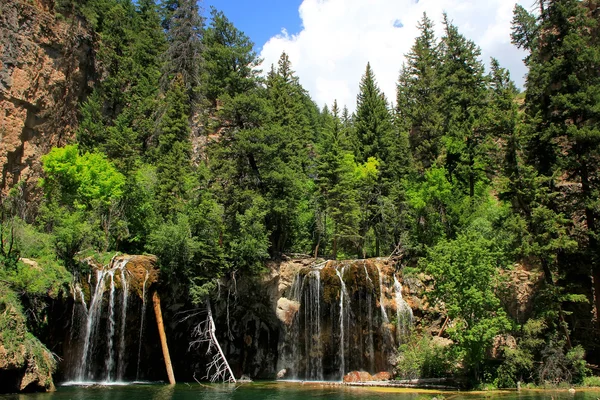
x=280, y=391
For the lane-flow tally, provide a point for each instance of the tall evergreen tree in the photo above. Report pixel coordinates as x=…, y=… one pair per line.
x=231, y=64
x=173, y=151
x=464, y=105
x=419, y=97
x=337, y=186
x=184, y=56
x=373, y=122
x=562, y=119
x=374, y=132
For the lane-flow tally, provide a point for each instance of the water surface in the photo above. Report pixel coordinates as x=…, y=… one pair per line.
x=282, y=391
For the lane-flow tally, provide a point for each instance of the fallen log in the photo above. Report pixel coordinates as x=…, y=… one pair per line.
x=163, y=337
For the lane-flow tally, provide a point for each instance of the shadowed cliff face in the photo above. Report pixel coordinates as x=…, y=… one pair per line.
x=45, y=61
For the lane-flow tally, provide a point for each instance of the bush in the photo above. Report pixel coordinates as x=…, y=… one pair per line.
x=422, y=357
x=591, y=381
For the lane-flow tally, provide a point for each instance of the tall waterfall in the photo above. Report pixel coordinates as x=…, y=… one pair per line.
x=104, y=324
x=403, y=312
x=342, y=321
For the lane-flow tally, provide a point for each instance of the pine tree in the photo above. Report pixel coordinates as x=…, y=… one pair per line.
x=231, y=64
x=373, y=122
x=562, y=119
x=184, y=55
x=337, y=185
x=464, y=106
x=173, y=151
x=375, y=136
x=419, y=97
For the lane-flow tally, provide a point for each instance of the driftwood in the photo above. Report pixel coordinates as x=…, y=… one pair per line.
x=163, y=338
x=218, y=368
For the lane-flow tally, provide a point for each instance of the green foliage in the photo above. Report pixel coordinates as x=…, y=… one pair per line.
x=82, y=207
x=465, y=272
x=14, y=337
x=419, y=97
x=422, y=357
x=231, y=64
x=80, y=182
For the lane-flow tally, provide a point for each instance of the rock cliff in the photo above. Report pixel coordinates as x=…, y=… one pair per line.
x=45, y=65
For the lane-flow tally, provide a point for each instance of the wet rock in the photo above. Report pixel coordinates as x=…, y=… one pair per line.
x=286, y=310
x=382, y=376
x=281, y=374
x=358, y=376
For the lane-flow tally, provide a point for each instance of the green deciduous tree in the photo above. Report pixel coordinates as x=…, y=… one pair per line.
x=466, y=272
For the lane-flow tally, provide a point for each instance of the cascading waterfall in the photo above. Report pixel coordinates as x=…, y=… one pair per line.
x=338, y=326
x=370, y=344
x=343, y=318
x=312, y=330
x=403, y=311
x=110, y=361
x=139, y=356
x=125, y=290
x=112, y=332
x=91, y=323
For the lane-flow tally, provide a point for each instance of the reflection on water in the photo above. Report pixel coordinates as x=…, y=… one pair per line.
x=282, y=391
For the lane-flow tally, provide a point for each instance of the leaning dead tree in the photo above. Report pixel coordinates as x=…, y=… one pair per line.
x=204, y=333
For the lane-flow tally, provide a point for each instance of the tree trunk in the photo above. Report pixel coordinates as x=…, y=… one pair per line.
x=163, y=338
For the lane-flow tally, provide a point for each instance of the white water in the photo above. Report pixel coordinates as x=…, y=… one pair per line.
x=137, y=373
x=95, y=308
x=318, y=346
x=370, y=342
x=84, y=371
x=125, y=290
x=312, y=326
x=403, y=311
x=110, y=361
x=343, y=315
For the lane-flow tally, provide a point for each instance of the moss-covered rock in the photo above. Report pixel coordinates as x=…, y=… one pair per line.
x=26, y=365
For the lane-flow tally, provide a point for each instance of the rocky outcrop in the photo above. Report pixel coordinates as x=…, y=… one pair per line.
x=45, y=61
x=25, y=364
x=522, y=284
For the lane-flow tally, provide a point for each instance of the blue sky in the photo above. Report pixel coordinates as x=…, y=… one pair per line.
x=329, y=42
x=260, y=19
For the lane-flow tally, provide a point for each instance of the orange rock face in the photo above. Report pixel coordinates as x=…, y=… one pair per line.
x=44, y=63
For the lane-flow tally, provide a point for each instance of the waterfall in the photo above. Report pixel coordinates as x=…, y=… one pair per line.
x=137, y=372
x=343, y=316
x=370, y=343
x=384, y=315
x=337, y=327
x=125, y=290
x=110, y=361
x=312, y=326
x=403, y=311
x=105, y=333
x=91, y=323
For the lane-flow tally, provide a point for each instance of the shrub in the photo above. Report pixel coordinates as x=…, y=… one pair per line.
x=422, y=357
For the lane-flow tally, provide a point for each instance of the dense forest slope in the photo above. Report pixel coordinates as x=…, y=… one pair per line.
x=138, y=127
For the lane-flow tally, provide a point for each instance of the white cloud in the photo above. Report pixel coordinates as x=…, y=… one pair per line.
x=339, y=37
